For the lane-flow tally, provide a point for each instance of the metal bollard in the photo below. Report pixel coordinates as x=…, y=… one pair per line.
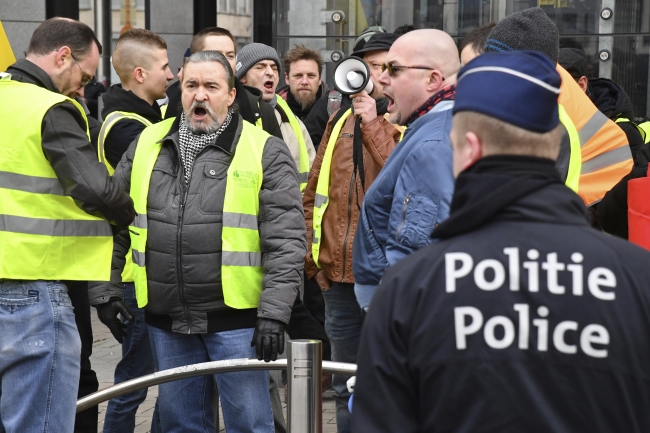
x=305, y=404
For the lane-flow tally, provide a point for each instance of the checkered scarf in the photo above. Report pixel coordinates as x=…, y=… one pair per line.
x=445, y=94
x=190, y=145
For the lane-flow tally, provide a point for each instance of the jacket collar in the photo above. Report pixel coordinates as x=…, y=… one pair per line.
x=118, y=99
x=27, y=72
x=226, y=141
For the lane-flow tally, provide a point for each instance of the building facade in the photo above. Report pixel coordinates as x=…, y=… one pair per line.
x=615, y=34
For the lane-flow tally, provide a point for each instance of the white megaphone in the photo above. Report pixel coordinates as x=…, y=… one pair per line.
x=352, y=75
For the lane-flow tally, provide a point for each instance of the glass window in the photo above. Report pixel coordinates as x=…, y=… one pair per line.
x=233, y=7
x=84, y=4
x=623, y=32
x=222, y=6
x=241, y=10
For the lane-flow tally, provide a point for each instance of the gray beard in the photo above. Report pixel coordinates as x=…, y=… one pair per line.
x=204, y=129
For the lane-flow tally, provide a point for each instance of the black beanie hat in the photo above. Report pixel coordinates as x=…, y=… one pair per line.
x=575, y=61
x=527, y=30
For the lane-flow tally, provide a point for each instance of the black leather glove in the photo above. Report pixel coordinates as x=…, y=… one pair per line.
x=107, y=314
x=268, y=339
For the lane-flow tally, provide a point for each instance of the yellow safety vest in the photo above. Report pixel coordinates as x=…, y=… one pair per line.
x=645, y=127
x=639, y=127
x=303, y=170
x=109, y=122
x=575, y=159
x=241, y=258
x=44, y=235
x=321, y=200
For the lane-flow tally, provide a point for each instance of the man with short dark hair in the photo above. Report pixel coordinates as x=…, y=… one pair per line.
x=473, y=44
x=140, y=60
x=521, y=318
x=56, y=202
x=217, y=248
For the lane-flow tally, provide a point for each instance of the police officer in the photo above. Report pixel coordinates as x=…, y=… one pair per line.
x=55, y=200
x=217, y=247
x=522, y=317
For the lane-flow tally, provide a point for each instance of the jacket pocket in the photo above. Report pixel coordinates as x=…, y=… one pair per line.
x=419, y=214
x=163, y=179
x=213, y=188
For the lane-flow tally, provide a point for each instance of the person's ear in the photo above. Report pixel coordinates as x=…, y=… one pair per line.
x=62, y=54
x=583, y=82
x=231, y=96
x=139, y=74
x=434, y=80
x=474, y=148
x=286, y=77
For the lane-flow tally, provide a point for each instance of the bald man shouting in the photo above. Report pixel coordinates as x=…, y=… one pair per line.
x=413, y=191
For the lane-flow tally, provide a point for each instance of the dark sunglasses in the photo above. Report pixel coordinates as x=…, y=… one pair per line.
x=392, y=69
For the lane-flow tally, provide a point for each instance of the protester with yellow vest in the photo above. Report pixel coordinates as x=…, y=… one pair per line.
x=258, y=66
x=334, y=194
x=605, y=156
x=57, y=204
x=140, y=60
x=217, y=247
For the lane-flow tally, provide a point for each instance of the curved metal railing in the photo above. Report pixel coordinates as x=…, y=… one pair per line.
x=304, y=368
x=201, y=369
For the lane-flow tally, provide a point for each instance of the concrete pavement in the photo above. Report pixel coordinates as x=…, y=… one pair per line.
x=107, y=352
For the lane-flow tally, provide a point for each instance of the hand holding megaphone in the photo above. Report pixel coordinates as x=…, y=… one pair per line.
x=352, y=75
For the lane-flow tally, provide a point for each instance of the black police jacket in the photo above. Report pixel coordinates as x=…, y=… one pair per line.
x=530, y=322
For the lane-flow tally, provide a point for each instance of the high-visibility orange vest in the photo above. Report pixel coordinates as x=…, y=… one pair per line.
x=605, y=151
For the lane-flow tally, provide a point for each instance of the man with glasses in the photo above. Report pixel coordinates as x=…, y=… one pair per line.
x=356, y=144
x=413, y=192
x=56, y=203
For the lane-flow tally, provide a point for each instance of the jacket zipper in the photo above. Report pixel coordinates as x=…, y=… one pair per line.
x=406, y=203
x=347, y=232
x=179, y=248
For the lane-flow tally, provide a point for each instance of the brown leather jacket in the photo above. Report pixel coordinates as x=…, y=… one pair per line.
x=340, y=220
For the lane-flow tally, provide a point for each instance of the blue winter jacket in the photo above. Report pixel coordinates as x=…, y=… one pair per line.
x=408, y=199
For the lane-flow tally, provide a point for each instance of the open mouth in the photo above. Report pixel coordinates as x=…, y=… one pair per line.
x=200, y=113
x=391, y=102
x=268, y=85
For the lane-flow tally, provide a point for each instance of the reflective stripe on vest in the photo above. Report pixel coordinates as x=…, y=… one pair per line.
x=644, y=135
x=109, y=122
x=321, y=200
x=303, y=170
x=241, y=258
x=44, y=235
x=575, y=161
x=598, y=136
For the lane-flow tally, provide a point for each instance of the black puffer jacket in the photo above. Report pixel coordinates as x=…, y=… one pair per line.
x=184, y=259
x=614, y=103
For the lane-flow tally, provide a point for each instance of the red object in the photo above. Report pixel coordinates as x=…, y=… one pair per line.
x=638, y=211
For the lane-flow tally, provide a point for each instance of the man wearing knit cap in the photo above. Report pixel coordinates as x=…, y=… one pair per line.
x=521, y=318
x=259, y=66
x=594, y=154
